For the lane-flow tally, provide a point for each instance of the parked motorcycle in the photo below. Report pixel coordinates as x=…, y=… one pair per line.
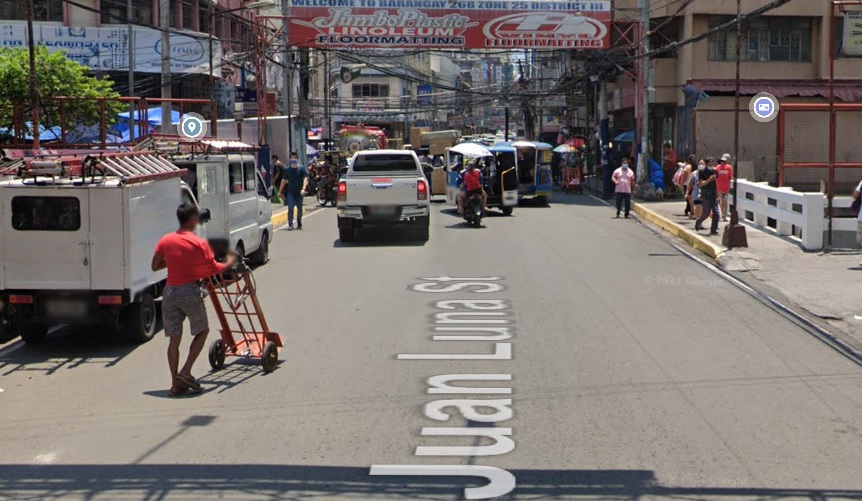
x=473, y=212
x=327, y=191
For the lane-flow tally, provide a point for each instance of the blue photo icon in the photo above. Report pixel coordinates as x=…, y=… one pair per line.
x=763, y=107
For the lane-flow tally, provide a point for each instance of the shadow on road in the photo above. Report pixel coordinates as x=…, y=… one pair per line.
x=381, y=237
x=68, y=348
x=295, y=483
x=584, y=200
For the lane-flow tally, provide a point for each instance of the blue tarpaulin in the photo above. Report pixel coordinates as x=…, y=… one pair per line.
x=49, y=134
x=656, y=174
x=154, y=116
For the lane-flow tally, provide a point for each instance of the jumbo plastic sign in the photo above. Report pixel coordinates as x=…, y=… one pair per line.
x=462, y=24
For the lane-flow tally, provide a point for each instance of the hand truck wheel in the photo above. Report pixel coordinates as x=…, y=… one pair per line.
x=270, y=357
x=217, y=354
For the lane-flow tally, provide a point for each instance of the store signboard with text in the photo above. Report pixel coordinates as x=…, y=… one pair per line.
x=107, y=48
x=450, y=24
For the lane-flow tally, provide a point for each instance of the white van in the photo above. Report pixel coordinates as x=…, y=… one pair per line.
x=231, y=187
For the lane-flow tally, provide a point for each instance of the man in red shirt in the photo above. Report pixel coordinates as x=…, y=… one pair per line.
x=189, y=259
x=723, y=177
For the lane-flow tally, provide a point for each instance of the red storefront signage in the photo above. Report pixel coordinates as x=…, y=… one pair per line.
x=449, y=24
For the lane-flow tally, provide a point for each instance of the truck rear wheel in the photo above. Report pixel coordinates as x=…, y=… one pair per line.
x=31, y=334
x=140, y=319
x=507, y=211
x=423, y=226
x=346, y=234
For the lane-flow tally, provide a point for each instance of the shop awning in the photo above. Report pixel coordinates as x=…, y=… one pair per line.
x=845, y=90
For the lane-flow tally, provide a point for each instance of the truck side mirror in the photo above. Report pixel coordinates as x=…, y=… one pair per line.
x=205, y=216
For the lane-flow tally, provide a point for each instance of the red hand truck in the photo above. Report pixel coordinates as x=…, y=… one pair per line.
x=234, y=298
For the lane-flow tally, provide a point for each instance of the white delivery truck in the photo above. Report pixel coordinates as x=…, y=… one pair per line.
x=77, y=239
x=225, y=179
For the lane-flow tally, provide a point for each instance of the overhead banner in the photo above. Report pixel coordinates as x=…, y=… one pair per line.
x=449, y=24
x=107, y=48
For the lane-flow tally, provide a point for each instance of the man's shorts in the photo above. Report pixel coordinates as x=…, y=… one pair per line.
x=180, y=302
x=722, y=195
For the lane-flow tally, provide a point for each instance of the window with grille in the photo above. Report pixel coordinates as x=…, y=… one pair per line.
x=114, y=12
x=43, y=10
x=370, y=90
x=781, y=39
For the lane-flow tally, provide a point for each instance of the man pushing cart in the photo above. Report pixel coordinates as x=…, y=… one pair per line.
x=192, y=270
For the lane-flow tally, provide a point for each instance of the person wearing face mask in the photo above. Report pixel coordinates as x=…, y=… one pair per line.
x=692, y=193
x=293, y=185
x=624, y=182
x=708, y=197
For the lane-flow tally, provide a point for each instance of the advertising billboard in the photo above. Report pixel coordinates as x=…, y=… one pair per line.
x=449, y=24
x=107, y=48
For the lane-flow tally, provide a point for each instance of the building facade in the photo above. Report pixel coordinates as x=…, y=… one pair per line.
x=212, y=43
x=785, y=53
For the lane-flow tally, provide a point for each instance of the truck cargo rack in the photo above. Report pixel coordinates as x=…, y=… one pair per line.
x=130, y=168
x=175, y=145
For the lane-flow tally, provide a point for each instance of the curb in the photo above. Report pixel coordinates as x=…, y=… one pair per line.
x=279, y=217
x=693, y=239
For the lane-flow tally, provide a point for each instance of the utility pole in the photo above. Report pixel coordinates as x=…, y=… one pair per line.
x=34, y=92
x=130, y=45
x=304, y=89
x=211, y=23
x=643, y=160
x=605, y=134
x=165, y=25
x=289, y=99
x=734, y=233
x=327, y=117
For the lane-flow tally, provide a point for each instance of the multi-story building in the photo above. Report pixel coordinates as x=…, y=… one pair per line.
x=392, y=90
x=785, y=53
x=212, y=43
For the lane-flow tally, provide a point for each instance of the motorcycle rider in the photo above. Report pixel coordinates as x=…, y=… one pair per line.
x=471, y=181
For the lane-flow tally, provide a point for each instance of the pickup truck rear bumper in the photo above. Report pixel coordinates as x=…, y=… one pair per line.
x=384, y=215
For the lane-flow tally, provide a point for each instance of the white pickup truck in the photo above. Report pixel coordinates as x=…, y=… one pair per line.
x=383, y=188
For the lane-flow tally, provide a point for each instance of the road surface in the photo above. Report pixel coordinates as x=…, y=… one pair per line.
x=636, y=373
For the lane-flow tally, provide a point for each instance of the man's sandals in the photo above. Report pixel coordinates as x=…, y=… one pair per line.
x=183, y=383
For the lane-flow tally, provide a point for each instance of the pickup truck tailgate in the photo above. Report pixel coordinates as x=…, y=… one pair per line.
x=381, y=190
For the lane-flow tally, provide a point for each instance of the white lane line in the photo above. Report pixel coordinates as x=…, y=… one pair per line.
x=304, y=217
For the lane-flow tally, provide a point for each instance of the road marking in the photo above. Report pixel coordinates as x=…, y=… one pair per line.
x=466, y=317
x=304, y=217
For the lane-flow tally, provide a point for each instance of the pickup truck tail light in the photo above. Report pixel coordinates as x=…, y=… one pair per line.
x=342, y=192
x=422, y=190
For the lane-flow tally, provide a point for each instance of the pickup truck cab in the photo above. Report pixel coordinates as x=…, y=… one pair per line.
x=383, y=188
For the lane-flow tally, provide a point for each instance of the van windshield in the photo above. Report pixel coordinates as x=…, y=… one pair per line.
x=384, y=163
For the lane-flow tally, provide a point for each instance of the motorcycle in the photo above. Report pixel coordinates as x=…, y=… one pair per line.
x=327, y=191
x=313, y=182
x=473, y=212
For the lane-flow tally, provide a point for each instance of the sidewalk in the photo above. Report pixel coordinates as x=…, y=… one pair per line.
x=824, y=284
